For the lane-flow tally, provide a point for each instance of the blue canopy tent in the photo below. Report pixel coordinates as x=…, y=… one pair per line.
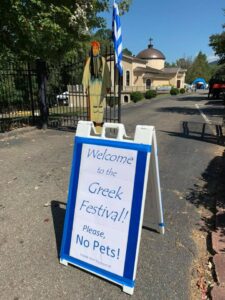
x=199, y=83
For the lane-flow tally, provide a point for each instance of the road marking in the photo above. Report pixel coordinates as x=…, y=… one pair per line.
x=206, y=119
x=202, y=114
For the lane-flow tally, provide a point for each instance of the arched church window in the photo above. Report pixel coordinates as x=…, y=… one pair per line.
x=127, y=78
x=148, y=84
x=126, y=99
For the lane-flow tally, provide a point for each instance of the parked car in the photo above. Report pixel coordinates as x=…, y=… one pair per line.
x=63, y=99
x=164, y=88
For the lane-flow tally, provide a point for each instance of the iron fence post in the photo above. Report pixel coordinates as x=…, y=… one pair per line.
x=31, y=92
x=41, y=69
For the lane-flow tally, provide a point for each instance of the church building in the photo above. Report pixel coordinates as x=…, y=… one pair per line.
x=147, y=71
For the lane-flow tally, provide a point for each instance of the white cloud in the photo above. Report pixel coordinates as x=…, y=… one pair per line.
x=212, y=57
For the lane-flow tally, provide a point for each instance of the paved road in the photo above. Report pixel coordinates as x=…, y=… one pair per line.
x=35, y=170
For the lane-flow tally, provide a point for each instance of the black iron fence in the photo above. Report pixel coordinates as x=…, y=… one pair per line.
x=65, y=96
x=18, y=96
x=51, y=95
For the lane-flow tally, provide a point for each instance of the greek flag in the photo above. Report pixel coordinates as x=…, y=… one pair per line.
x=117, y=38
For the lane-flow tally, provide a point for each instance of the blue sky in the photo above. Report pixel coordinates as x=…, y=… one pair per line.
x=179, y=28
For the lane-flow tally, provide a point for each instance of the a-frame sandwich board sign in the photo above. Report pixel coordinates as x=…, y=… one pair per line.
x=104, y=214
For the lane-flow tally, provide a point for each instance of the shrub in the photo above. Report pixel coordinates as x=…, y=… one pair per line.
x=112, y=101
x=136, y=96
x=174, y=91
x=150, y=94
x=182, y=90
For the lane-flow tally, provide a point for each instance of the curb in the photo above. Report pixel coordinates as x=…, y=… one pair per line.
x=219, y=262
x=218, y=245
x=16, y=132
x=218, y=293
x=218, y=241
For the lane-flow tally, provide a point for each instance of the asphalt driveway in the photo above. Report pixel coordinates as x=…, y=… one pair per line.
x=34, y=175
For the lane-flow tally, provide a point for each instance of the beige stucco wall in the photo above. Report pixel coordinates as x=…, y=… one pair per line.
x=125, y=98
x=111, y=67
x=180, y=77
x=160, y=82
x=137, y=82
x=127, y=66
x=138, y=79
x=136, y=64
x=173, y=81
x=156, y=63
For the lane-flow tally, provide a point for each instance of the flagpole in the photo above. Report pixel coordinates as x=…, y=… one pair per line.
x=115, y=70
x=119, y=97
x=117, y=41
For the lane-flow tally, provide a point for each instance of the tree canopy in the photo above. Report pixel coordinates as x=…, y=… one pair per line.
x=104, y=37
x=183, y=63
x=170, y=65
x=48, y=29
x=217, y=42
x=126, y=51
x=199, y=68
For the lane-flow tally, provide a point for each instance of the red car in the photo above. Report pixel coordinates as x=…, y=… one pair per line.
x=216, y=89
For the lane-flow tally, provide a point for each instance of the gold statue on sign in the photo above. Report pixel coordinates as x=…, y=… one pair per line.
x=96, y=82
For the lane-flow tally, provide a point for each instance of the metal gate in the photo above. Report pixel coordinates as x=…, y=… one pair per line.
x=66, y=99
x=52, y=95
x=19, y=104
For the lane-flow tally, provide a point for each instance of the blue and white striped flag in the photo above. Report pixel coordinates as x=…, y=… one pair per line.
x=117, y=38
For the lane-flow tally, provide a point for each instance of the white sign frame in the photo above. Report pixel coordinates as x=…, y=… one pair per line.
x=144, y=144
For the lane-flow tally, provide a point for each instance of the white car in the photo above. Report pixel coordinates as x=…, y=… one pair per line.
x=63, y=98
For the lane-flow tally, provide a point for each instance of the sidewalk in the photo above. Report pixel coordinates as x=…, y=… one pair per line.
x=218, y=243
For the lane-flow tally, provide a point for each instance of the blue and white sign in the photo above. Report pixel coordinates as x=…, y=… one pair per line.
x=105, y=207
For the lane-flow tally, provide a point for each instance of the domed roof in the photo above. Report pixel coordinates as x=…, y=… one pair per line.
x=151, y=53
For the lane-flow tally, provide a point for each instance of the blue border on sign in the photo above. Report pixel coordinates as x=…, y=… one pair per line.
x=115, y=144
x=142, y=149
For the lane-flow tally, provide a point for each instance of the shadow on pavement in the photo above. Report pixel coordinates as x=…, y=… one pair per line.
x=211, y=196
x=209, y=138
x=58, y=214
x=215, y=102
x=211, y=112
x=193, y=98
x=179, y=110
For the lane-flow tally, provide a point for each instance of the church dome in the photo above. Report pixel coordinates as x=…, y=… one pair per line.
x=151, y=53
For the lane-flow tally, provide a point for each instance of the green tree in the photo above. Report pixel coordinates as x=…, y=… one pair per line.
x=184, y=63
x=104, y=37
x=217, y=42
x=127, y=52
x=199, y=68
x=170, y=65
x=10, y=94
x=49, y=29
